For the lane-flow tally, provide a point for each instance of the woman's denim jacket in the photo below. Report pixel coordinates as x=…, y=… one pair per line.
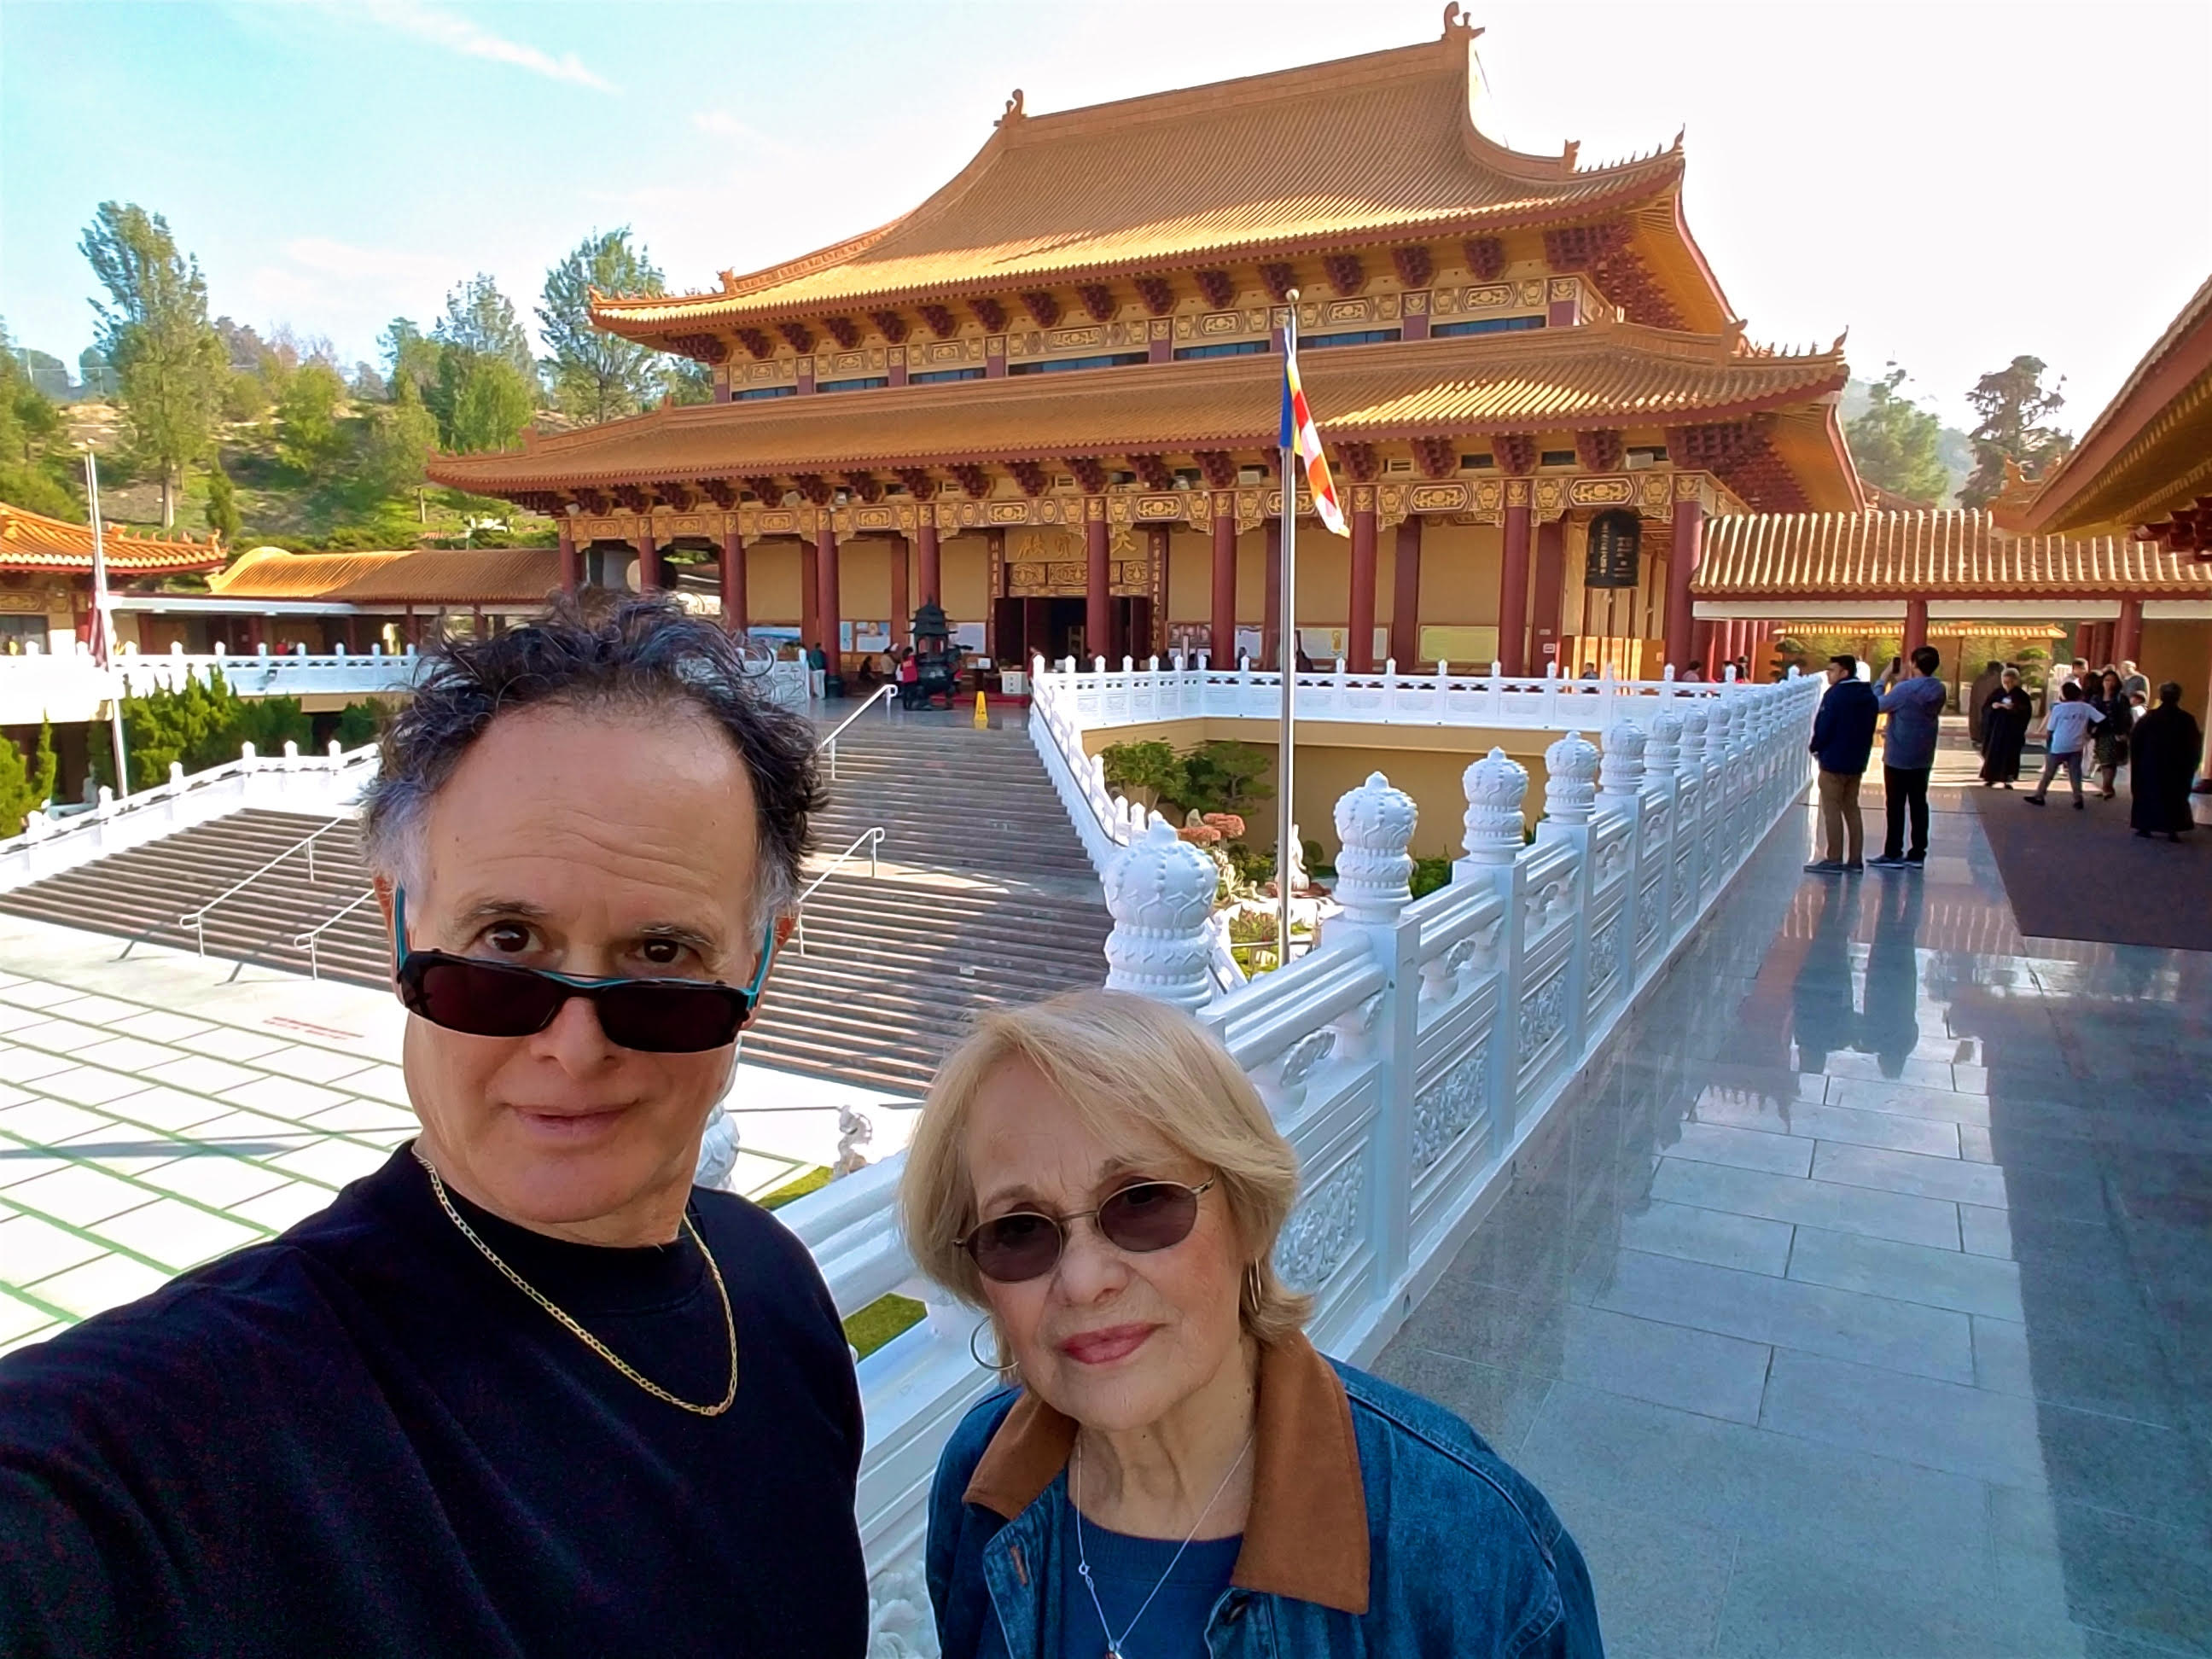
x=1381, y=1525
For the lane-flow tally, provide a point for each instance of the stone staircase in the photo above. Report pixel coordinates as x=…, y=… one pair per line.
x=984, y=896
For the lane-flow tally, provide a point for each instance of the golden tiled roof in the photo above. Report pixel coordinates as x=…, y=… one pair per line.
x=32, y=541
x=1618, y=374
x=2150, y=450
x=271, y=573
x=1928, y=555
x=427, y=576
x=1370, y=149
x=457, y=576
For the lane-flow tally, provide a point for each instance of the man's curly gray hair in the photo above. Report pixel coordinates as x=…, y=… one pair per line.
x=620, y=654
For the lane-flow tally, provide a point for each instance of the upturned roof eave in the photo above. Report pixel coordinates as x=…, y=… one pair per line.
x=2180, y=356
x=701, y=313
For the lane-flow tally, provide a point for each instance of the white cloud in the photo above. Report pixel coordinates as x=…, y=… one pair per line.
x=443, y=28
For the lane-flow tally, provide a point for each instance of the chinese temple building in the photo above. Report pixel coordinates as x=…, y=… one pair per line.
x=45, y=576
x=1046, y=397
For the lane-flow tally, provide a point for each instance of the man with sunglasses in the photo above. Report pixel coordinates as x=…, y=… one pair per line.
x=524, y=1390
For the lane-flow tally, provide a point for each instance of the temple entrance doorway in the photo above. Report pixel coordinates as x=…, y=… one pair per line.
x=1056, y=628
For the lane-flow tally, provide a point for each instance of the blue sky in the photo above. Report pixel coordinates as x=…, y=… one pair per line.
x=1954, y=182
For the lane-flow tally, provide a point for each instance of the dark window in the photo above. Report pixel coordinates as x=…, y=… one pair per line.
x=1467, y=461
x=1487, y=325
x=1223, y=349
x=868, y=383
x=1556, y=457
x=937, y=374
x=767, y=392
x=1364, y=336
x=1055, y=365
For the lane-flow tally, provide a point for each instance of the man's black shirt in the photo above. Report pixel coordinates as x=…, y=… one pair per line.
x=360, y=1439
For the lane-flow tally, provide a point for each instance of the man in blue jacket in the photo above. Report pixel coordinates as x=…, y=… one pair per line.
x=1915, y=706
x=1843, y=741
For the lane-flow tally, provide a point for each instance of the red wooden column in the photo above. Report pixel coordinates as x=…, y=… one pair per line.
x=902, y=611
x=1513, y=582
x=649, y=563
x=1271, y=620
x=734, y=582
x=809, y=618
x=1223, y=653
x=2127, y=634
x=572, y=569
x=1916, y=626
x=1681, y=565
x=1098, y=593
x=829, y=611
x=925, y=544
x=1359, y=615
x=1405, y=597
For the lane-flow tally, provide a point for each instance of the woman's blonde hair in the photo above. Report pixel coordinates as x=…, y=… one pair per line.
x=1123, y=1062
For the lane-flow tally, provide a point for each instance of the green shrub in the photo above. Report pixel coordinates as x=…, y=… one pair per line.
x=359, y=723
x=200, y=726
x=1219, y=777
x=1429, y=874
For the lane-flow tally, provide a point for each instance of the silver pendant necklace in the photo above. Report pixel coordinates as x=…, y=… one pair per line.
x=1115, y=1643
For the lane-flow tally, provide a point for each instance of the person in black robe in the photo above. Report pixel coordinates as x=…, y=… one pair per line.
x=525, y=1391
x=2164, y=750
x=2005, y=716
x=1978, y=697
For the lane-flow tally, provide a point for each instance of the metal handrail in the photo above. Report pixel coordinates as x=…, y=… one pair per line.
x=872, y=840
x=198, y=918
x=830, y=742
x=312, y=937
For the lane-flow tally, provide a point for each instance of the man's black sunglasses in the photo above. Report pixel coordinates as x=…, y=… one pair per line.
x=503, y=1000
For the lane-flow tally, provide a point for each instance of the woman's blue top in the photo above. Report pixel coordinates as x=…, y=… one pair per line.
x=1125, y=1568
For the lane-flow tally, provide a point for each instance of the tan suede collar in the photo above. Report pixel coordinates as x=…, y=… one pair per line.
x=1306, y=1537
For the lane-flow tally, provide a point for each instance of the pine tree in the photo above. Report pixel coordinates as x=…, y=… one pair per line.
x=2014, y=408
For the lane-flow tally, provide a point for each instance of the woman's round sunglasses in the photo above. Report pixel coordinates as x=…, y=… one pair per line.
x=1143, y=1216
x=482, y=998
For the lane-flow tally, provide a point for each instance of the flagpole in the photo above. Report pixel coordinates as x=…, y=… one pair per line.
x=1286, y=615
x=103, y=622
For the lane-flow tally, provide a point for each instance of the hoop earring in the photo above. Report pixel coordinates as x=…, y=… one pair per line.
x=987, y=1364
x=1254, y=1289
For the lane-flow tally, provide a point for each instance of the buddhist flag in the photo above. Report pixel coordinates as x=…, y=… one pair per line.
x=1299, y=435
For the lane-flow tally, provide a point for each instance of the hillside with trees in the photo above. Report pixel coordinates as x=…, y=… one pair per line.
x=206, y=423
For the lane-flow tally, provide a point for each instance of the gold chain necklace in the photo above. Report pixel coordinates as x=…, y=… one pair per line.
x=585, y=1336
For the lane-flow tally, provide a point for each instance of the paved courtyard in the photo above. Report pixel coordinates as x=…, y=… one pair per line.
x=156, y=1113
x=1859, y=1300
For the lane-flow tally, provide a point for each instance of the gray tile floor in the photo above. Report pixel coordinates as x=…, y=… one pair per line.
x=1858, y=1299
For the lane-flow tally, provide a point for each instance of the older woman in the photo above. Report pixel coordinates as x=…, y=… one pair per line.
x=1175, y=1471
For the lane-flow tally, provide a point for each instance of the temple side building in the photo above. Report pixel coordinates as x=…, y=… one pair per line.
x=1046, y=397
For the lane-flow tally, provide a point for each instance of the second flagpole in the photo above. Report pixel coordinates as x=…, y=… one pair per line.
x=1286, y=626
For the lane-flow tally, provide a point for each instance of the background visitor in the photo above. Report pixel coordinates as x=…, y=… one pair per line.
x=1843, y=742
x=1914, y=704
x=2166, y=744
x=1977, y=696
x=2110, y=741
x=2005, y=716
x=2069, y=728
